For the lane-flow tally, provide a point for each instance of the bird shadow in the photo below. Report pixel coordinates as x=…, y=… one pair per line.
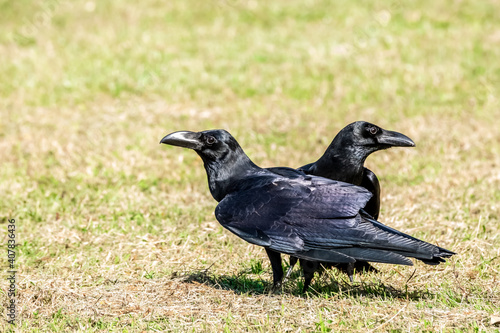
x=323, y=286
x=239, y=284
x=378, y=289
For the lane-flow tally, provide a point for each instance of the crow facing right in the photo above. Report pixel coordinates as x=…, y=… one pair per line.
x=304, y=216
x=344, y=160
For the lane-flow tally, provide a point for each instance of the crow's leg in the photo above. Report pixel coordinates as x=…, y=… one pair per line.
x=350, y=271
x=308, y=268
x=293, y=261
x=275, y=258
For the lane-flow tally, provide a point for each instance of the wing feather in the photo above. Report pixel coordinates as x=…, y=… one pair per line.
x=319, y=219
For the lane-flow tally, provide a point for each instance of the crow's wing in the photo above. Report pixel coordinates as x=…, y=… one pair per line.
x=277, y=214
x=316, y=219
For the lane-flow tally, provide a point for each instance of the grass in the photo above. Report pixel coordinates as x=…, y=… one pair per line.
x=117, y=233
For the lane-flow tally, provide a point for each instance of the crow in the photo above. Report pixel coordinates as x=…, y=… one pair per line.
x=343, y=160
x=305, y=216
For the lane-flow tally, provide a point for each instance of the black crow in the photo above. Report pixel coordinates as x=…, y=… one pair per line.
x=344, y=160
x=345, y=157
x=308, y=217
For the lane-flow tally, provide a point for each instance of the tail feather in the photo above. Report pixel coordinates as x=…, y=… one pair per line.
x=376, y=255
x=425, y=252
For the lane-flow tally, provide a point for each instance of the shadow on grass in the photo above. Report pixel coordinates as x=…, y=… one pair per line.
x=377, y=289
x=322, y=286
x=240, y=284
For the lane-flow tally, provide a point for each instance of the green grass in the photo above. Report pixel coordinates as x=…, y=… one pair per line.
x=117, y=233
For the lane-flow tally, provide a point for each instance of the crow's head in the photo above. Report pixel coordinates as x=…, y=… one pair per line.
x=211, y=145
x=370, y=138
x=224, y=160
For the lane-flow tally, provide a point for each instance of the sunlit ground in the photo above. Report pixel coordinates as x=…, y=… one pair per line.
x=117, y=232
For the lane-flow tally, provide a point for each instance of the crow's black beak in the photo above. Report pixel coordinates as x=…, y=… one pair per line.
x=395, y=139
x=184, y=139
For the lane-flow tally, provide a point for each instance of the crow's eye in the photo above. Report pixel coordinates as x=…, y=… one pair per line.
x=373, y=130
x=210, y=140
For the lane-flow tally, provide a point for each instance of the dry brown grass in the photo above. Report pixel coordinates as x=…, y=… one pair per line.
x=87, y=264
x=117, y=233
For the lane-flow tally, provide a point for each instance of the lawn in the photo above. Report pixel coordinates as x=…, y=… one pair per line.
x=117, y=233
